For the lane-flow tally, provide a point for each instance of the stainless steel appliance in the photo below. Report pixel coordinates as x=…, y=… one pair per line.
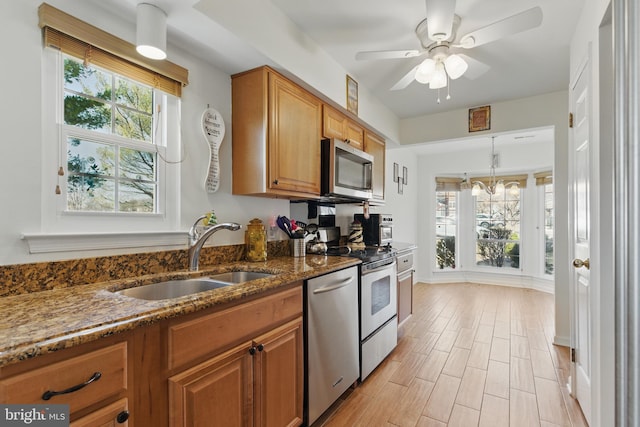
x=378, y=309
x=346, y=171
x=377, y=229
x=331, y=324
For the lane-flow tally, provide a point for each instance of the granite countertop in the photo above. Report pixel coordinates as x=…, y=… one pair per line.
x=41, y=322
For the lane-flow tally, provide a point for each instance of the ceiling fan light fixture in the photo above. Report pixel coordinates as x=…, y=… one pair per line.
x=425, y=71
x=440, y=15
x=456, y=66
x=439, y=78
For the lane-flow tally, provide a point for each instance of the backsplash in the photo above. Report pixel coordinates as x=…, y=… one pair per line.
x=26, y=278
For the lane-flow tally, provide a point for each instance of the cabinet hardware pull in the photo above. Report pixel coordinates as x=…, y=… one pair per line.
x=275, y=182
x=260, y=347
x=122, y=417
x=252, y=351
x=49, y=394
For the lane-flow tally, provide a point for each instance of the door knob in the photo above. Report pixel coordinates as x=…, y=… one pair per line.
x=577, y=263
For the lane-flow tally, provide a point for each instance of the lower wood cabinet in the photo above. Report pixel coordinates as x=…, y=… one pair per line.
x=240, y=366
x=259, y=382
x=95, y=380
x=405, y=296
x=114, y=415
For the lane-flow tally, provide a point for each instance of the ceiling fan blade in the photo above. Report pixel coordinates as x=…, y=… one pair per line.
x=514, y=24
x=406, y=79
x=476, y=68
x=440, y=18
x=387, y=54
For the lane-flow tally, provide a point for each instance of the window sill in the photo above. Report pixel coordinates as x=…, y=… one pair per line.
x=72, y=242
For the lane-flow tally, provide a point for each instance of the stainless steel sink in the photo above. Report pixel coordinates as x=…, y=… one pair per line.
x=173, y=288
x=239, y=276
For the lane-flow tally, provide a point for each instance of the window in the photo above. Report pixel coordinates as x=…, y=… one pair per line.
x=498, y=229
x=110, y=147
x=548, y=228
x=447, y=190
x=111, y=140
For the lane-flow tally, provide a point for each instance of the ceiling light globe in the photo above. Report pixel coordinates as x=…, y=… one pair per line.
x=425, y=71
x=499, y=188
x=439, y=78
x=456, y=66
x=475, y=191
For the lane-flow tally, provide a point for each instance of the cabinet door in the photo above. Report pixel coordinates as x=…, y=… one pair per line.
x=114, y=415
x=355, y=135
x=375, y=145
x=405, y=296
x=215, y=393
x=279, y=385
x=295, y=118
x=333, y=123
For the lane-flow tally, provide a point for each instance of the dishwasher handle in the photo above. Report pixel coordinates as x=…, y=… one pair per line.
x=330, y=288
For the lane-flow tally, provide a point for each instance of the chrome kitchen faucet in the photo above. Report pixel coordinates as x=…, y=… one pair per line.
x=197, y=239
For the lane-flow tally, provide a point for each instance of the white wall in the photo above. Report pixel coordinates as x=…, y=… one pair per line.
x=446, y=159
x=538, y=111
x=20, y=127
x=265, y=27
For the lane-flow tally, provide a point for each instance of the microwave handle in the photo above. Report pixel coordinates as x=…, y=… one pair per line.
x=368, y=172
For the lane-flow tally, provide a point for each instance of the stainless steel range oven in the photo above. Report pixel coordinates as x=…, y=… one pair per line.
x=378, y=309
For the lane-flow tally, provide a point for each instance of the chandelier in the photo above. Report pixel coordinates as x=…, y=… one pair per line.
x=495, y=187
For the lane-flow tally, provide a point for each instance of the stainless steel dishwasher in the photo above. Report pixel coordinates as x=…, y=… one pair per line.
x=332, y=338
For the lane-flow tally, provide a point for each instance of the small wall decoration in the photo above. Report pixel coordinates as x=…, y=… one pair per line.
x=480, y=118
x=213, y=131
x=352, y=95
x=401, y=180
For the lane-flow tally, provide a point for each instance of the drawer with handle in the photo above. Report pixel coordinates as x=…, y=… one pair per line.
x=405, y=261
x=79, y=382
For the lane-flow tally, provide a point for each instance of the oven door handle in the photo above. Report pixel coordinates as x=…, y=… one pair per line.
x=384, y=267
x=342, y=284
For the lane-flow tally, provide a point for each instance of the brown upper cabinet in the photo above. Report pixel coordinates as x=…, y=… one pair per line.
x=337, y=125
x=277, y=128
x=276, y=136
x=375, y=145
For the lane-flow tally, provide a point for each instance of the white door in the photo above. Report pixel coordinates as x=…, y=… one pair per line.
x=579, y=179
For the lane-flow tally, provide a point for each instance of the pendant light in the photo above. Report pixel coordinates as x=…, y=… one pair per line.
x=151, y=31
x=495, y=187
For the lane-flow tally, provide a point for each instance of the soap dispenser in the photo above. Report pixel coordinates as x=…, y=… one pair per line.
x=255, y=238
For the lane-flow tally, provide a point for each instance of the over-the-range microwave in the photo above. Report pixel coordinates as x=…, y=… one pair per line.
x=346, y=171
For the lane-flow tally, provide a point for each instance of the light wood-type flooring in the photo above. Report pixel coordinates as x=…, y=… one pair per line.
x=471, y=355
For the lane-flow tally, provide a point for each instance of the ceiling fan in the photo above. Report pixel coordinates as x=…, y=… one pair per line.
x=438, y=38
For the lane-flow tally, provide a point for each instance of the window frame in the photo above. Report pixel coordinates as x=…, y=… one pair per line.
x=456, y=252
x=514, y=270
x=543, y=228
x=56, y=220
x=157, y=146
